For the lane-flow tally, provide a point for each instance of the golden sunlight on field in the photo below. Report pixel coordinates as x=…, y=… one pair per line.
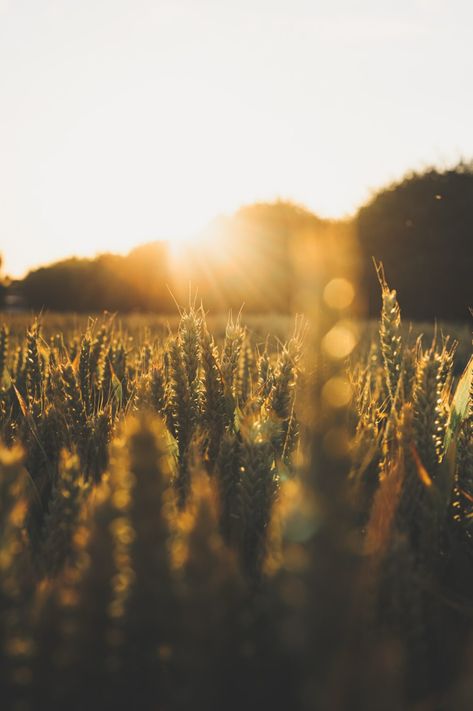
x=236, y=381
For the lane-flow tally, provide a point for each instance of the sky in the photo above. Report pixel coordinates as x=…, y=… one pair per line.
x=124, y=121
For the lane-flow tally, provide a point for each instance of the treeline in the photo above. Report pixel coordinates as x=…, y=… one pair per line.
x=108, y=282
x=249, y=259
x=420, y=228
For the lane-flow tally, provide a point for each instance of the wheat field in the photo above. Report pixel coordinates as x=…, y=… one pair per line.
x=198, y=516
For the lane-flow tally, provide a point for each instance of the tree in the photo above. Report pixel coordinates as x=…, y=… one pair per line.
x=422, y=231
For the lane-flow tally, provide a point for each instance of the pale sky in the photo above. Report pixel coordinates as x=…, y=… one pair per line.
x=124, y=121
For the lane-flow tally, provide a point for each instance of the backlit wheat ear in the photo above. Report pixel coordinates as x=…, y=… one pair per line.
x=412, y=502
x=430, y=407
x=189, y=333
x=53, y=434
x=107, y=375
x=16, y=580
x=62, y=518
x=98, y=589
x=257, y=491
x=19, y=365
x=280, y=402
x=214, y=415
x=234, y=338
x=390, y=335
x=182, y=412
x=228, y=470
x=148, y=609
x=85, y=372
x=3, y=351
x=146, y=356
x=97, y=449
x=76, y=414
x=409, y=365
x=189, y=337
x=158, y=389
x=243, y=384
x=34, y=377
x=13, y=489
x=265, y=379
x=97, y=354
x=462, y=505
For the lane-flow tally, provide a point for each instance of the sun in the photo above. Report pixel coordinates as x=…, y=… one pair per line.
x=180, y=243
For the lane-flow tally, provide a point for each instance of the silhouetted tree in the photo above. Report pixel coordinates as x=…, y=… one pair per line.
x=108, y=282
x=422, y=230
x=250, y=258
x=249, y=262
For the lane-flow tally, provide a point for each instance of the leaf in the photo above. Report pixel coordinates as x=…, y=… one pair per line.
x=21, y=401
x=460, y=404
x=422, y=472
x=441, y=489
x=385, y=503
x=75, y=362
x=467, y=496
x=117, y=389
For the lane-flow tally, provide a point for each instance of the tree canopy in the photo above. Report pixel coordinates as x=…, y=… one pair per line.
x=420, y=228
x=422, y=231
